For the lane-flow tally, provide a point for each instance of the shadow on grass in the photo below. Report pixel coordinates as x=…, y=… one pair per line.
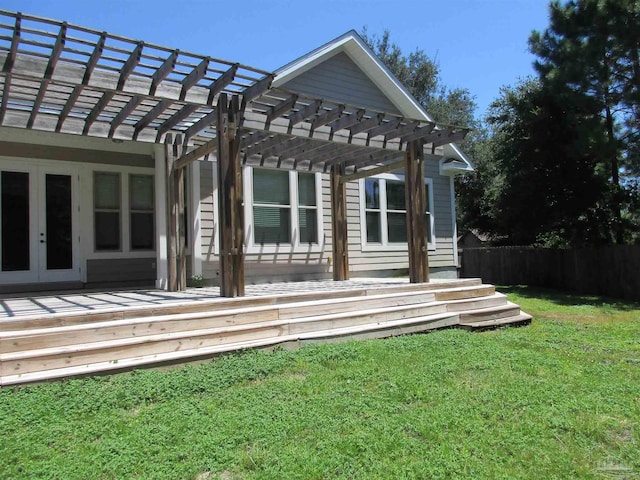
x=560, y=297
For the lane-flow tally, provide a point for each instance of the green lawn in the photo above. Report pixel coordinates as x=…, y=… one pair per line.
x=557, y=399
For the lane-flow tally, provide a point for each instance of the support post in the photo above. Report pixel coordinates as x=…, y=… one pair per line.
x=170, y=156
x=416, y=204
x=339, y=224
x=230, y=198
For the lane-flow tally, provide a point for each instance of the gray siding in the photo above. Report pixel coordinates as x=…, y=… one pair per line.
x=339, y=79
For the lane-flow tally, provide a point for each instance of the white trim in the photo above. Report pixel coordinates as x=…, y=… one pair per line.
x=162, y=258
x=37, y=170
x=454, y=223
x=196, y=234
x=295, y=246
x=385, y=246
x=125, y=241
x=215, y=236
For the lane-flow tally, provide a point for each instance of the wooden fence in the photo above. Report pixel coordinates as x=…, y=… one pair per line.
x=612, y=271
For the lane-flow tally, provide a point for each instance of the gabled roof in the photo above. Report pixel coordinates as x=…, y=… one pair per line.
x=355, y=47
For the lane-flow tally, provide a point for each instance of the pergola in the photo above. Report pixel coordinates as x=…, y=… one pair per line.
x=70, y=79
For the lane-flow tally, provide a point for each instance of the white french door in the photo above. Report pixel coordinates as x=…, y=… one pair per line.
x=39, y=236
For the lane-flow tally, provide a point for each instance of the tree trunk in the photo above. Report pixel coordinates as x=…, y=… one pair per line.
x=615, y=174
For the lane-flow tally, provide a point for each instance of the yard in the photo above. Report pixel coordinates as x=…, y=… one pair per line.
x=557, y=399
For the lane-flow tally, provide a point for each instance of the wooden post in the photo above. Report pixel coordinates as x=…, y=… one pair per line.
x=175, y=205
x=339, y=224
x=230, y=199
x=171, y=155
x=415, y=200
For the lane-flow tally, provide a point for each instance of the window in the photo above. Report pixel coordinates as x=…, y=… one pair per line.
x=141, y=212
x=106, y=206
x=384, y=210
x=284, y=208
x=123, y=212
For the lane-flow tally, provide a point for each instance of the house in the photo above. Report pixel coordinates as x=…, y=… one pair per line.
x=129, y=164
x=472, y=239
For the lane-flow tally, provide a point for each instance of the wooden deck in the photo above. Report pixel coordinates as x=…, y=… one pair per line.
x=55, y=336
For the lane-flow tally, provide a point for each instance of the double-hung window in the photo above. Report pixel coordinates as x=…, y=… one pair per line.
x=383, y=208
x=284, y=208
x=123, y=212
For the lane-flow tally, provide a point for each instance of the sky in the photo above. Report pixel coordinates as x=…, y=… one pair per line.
x=480, y=45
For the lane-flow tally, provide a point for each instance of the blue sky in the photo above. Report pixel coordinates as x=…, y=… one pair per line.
x=480, y=45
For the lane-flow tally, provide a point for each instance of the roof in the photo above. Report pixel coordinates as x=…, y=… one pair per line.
x=356, y=48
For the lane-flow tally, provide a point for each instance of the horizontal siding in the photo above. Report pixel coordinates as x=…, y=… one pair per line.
x=340, y=80
x=296, y=264
x=207, y=220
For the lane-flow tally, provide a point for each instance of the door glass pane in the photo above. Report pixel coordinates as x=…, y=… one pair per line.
x=58, y=217
x=271, y=224
x=15, y=221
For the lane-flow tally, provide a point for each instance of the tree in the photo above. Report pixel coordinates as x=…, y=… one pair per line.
x=589, y=53
x=547, y=187
x=421, y=76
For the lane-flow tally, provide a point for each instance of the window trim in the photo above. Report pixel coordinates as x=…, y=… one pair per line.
x=290, y=247
x=87, y=214
x=385, y=245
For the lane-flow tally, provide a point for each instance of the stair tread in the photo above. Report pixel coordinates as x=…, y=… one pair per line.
x=218, y=301
x=520, y=318
x=212, y=350
x=13, y=334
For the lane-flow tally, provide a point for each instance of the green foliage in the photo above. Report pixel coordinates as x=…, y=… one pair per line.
x=421, y=76
x=590, y=55
x=557, y=399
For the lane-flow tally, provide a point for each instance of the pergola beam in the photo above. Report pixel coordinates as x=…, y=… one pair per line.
x=150, y=116
x=207, y=121
x=129, y=65
x=163, y=71
x=124, y=113
x=56, y=51
x=221, y=83
x=194, y=77
x=391, y=167
x=97, y=109
x=175, y=119
x=303, y=114
x=281, y=108
x=204, y=149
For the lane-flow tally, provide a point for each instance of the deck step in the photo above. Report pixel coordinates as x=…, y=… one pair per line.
x=513, y=321
x=373, y=330
x=77, y=344
x=23, y=322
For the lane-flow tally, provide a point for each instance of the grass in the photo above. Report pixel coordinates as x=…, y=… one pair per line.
x=558, y=399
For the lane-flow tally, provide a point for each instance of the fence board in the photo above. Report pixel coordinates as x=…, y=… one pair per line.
x=613, y=271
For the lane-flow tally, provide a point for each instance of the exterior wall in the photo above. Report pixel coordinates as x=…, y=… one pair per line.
x=83, y=156
x=339, y=79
